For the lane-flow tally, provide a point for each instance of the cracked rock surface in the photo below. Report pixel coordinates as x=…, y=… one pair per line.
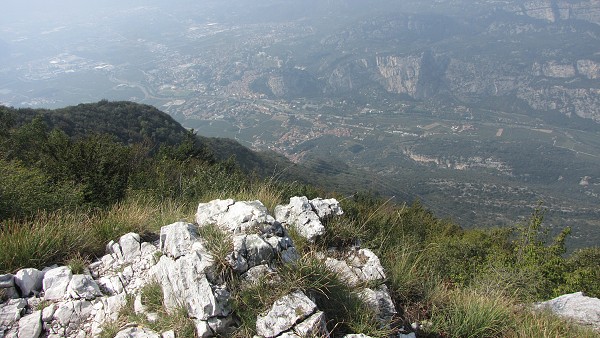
x=58, y=303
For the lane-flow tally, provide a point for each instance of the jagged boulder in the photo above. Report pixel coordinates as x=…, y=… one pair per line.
x=305, y=216
x=234, y=217
x=575, y=306
x=30, y=326
x=7, y=286
x=29, y=281
x=358, y=266
x=83, y=287
x=295, y=312
x=56, y=281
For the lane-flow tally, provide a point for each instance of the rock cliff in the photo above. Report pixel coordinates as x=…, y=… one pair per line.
x=554, y=10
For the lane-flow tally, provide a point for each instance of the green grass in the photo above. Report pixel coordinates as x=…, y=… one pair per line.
x=69, y=236
x=543, y=324
x=346, y=312
x=219, y=245
x=471, y=315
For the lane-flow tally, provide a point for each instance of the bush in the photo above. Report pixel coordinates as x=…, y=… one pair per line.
x=25, y=191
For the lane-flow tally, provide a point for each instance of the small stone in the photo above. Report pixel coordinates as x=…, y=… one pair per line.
x=284, y=314
x=48, y=313
x=7, y=281
x=168, y=334
x=83, y=287
x=137, y=332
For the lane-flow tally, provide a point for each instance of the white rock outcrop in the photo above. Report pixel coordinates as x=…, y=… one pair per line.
x=29, y=281
x=79, y=305
x=285, y=313
x=56, y=281
x=575, y=306
x=305, y=216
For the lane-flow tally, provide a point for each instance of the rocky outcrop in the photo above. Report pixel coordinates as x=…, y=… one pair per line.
x=57, y=303
x=418, y=76
x=575, y=306
x=294, y=312
x=305, y=216
x=555, y=10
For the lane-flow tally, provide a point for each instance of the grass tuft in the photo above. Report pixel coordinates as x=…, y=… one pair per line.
x=219, y=245
x=467, y=313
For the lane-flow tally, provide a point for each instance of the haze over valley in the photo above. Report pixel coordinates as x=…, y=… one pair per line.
x=479, y=109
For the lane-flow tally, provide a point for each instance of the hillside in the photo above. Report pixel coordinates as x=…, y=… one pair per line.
x=62, y=199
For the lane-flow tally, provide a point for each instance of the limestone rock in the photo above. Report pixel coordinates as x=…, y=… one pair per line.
x=284, y=314
x=575, y=306
x=359, y=267
x=313, y=326
x=300, y=215
x=223, y=326
x=368, y=264
x=168, y=334
x=55, y=283
x=112, y=285
x=253, y=275
x=184, y=282
x=231, y=216
x=70, y=315
x=326, y=207
x=305, y=216
x=30, y=326
x=83, y=287
x=177, y=239
x=381, y=301
x=7, y=287
x=257, y=251
x=29, y=281
x=11, y=311
x=48, y=313
x=343, y=270
x=130, y=246
x=7, y=281
x=107, y=310
x=137, y=332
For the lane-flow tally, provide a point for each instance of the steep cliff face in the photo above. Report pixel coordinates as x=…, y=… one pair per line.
x=555, y=10
x=419, y=76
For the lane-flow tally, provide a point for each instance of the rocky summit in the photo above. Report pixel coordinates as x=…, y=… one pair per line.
x=57, y=302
